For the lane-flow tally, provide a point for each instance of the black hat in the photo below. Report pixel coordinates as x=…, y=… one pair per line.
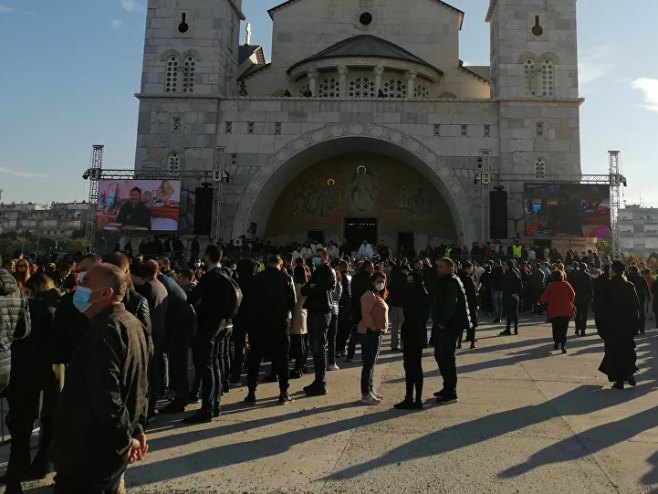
x=618, y=266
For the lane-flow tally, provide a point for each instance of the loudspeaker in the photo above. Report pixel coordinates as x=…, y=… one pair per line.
x=203, y=211
x=498, y=227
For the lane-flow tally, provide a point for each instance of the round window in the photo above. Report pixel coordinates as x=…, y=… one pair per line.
x=366, y=18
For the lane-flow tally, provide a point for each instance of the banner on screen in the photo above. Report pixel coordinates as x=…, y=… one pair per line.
x=567, y=210
x=142, y=205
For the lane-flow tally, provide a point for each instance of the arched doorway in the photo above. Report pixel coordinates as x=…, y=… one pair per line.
x=288, y=162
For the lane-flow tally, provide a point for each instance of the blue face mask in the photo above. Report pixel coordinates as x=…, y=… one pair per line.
x=81, y=299
x=317, y=261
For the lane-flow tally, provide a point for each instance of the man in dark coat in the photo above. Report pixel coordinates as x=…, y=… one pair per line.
x=618, y=319
x=643, y=293
x=450, y=316
x=319, y=293
x=274, y=301
x=581, y=282
x=512, y=289
x=360, y=285
x=397, y=282
x=104, y=397
x=466, y=276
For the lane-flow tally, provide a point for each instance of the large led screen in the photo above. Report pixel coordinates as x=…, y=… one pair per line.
x=142, y=205
x=567, y=210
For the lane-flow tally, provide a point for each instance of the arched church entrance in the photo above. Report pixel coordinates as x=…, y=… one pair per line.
x=337, y=179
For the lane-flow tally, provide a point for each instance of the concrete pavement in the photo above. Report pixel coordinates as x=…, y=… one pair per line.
x=528, y=419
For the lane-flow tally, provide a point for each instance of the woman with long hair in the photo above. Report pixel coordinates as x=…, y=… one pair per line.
x=560, y=297
x=371, y=328
x=22, y=273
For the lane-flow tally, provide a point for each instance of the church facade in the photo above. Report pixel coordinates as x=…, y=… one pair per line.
x=365, y=123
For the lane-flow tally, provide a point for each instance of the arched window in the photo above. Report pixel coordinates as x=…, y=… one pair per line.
x=188, y=74
x=362, y=87
x=173, y=162
x=171, y=85
x=530, y=71
x=305, y=89
x=547, y=78
x=540, y=168
x=329, y=88
x=395, y=88
x=421, y=91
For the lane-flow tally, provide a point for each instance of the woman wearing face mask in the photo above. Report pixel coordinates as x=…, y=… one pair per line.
x=372, y=327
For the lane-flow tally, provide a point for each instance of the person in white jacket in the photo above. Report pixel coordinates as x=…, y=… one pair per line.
x=365, y=251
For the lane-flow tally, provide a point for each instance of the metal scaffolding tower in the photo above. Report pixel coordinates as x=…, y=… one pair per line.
x=616, y=180
x=93, y=173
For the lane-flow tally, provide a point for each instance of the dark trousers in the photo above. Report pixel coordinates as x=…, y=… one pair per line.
x=355, y=338
x=331, y=340
x=180, y=364
x=512, y=312
x=344, y=329
x=560, y=328
x=276, y=343
x=371, y=345
x=224, y=360
x=206, y=348
x=318, y=328
x=413, y=342
x=445, y=345
x=582, y=310
x=47, y=419
x=298, y=350
x=643, y=316
x=71, y=484
x=23, y=411
x=239, y=339
x=157, y=371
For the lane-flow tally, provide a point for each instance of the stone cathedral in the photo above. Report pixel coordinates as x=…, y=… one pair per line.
x=365, y=123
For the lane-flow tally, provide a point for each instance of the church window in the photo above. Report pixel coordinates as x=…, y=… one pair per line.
x=540, y=168
x=178, y=125
x=530, y=70
x=304, y=90
x=487, y=131
x=250, y=127
x=421, y=91
x=547, y=78
x=362, y=87
x=395, y=88
x=464, y=130
x=173, y=162
x=277, y=128
x=365, y=19
x=172, y=74
x=188, y=74
x=437, y=130
x=228, y=128
x=329, y=88
x=539, y=129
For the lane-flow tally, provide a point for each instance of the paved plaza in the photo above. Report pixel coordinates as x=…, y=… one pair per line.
x=528, y=419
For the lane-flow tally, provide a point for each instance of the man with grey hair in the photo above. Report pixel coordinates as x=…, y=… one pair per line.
x=104, y=397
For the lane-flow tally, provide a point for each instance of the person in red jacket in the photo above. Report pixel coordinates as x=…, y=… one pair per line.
x=560, y=297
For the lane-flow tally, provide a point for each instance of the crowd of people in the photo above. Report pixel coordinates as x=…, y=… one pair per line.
x=99, y=346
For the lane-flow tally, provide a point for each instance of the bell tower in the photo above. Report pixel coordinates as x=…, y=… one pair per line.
x=534, y=49
x=190, y=64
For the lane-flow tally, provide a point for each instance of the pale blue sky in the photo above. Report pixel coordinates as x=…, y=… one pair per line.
x=71, y=67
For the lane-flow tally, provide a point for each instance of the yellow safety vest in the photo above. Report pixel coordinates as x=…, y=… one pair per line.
x=448, y=251
x=517, y=251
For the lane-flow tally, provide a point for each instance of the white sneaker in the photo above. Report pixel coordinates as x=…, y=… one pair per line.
x=333, y=367
x=369, y=400
x=377, y=396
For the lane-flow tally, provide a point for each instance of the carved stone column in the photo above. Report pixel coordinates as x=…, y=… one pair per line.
x=342, y=80
x=379, y=72
x=313, y=82
x=411, y=84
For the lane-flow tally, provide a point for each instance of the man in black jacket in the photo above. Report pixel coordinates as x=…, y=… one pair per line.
x=98, y=423
x=512, y=289
x=466, y=276
x=581, y=282
x=209, y=299
x=397, y=284
x=319, y=293
x=274, y=300
x=643, y=293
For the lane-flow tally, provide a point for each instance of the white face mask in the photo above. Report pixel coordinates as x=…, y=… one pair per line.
x=380, y=287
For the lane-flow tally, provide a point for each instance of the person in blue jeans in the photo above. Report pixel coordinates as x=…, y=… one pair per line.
x=373, y=325
x=497, y=285
x=319, y=293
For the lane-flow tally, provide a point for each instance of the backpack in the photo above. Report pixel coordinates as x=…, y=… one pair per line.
x=231, y=295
